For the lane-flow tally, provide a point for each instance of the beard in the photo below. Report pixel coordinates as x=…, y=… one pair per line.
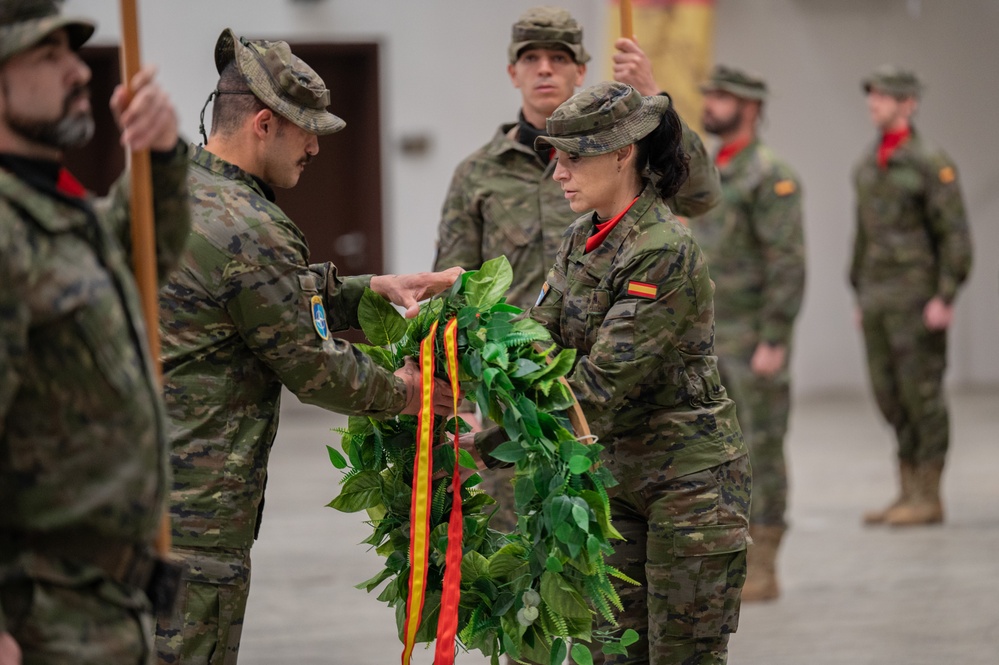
x=71, y=130
x=719, y=126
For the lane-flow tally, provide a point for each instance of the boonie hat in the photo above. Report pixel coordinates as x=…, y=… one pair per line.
x=601, y=119
x=547, y=27
x=281, y=80
x=894, y=81
x=24, y=23
x=736, y=82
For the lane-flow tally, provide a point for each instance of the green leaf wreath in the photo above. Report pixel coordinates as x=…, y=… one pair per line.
x=524, y=593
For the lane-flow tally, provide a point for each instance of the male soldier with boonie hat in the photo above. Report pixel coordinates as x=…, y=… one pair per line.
x=547, y=28
x=601, y=119
x=82, y=473
x=736, y=82
x=912, y=253
x=893, y=80
x=245, y=314
x=754, y=242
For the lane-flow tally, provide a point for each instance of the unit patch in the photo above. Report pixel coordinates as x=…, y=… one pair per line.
x=319, y=317
x=541, y=296
x=947, y=175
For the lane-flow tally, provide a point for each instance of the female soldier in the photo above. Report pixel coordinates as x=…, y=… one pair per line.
x=630, y=291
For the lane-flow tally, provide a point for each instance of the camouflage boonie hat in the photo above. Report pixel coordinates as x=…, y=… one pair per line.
x=736, y=82
x=894, y=81
x=601, y=119
x=547, y=27
x=24, y=23
x=281, y=80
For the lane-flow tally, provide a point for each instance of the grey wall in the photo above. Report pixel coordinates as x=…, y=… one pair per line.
x=443, y=76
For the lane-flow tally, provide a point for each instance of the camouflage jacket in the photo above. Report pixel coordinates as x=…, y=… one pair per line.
x=504, y=202
x=241, y=316
x=912, y=240
x=82, y=440
x=638, y=309
x=754, y=244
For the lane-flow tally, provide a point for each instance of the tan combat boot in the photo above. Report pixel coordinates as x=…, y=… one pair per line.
x=925, y=506
x=906, y=479
x=761, y=563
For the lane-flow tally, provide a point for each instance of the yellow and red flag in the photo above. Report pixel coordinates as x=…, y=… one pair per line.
x=678, y=37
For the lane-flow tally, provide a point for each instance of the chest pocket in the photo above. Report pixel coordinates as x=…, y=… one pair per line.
x=579, y=321
x=503, y=231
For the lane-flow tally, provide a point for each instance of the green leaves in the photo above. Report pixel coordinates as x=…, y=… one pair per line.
x=525, y=593
x=381, y=322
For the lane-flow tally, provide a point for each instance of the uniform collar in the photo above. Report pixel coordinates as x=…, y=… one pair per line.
x=215, y=164
x=612, y=243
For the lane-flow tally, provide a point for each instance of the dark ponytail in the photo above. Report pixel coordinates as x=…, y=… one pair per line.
x=661, y=155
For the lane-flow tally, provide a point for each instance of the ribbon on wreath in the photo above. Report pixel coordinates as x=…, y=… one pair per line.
x=420, y=506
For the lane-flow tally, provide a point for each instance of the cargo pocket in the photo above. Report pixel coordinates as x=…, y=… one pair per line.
x=695, y=593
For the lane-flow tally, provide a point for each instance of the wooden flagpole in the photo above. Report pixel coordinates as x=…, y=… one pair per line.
x=143, y=232
x=627, y=28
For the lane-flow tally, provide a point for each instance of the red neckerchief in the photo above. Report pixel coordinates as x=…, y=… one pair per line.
x=67, y=184
x=730, y=150
x=890, y=141
x=604, y=229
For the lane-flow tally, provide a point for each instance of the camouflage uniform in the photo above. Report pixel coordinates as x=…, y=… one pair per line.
x=244, y=314
x=503, y=202
x=83, y=472
x=912, y=244
x=754, y=243
x=638, y=309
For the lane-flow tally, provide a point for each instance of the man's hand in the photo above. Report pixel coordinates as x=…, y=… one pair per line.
x=467, y=442
x=10, y=653
x=768, y=360
x=633, y=67
x=937, y=314
x=443, y=395
x=408, y=290
x=148, y=119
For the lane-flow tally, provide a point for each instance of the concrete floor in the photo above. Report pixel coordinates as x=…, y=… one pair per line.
x=852, y=595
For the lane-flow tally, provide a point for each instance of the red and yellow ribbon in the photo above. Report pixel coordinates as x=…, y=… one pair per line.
x=419, y=530
x=419, y=511
x=447, y=623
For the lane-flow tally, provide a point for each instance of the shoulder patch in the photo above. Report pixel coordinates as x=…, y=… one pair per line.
x=541, y=296
x=642, y=290
x=319, y=317
x=784, y=187
x=947, y=175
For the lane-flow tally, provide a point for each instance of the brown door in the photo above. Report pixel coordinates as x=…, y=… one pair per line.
x=338, y=200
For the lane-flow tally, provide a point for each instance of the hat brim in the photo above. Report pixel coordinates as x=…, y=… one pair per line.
x=631, y=129
x=578, y=53
x=740, y=91
x=20, y=37
x=229, y=48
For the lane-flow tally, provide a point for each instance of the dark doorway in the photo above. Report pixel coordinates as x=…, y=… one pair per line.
x=338, y=200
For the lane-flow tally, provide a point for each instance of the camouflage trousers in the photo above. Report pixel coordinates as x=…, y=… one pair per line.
x=498, y=483
x=763, y=405
x=906, y=363
x=207, y=621
x=94, y=623
x=686, y=546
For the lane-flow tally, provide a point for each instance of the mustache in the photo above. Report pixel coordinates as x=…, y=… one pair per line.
x=306, y=160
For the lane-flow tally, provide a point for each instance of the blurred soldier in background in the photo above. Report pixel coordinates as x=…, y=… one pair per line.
x=83, y=471
x=754, y=244
x=911, y=254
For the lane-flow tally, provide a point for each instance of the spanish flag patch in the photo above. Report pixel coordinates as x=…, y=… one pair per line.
x=784, y=187
x=947, y=175
x=642, y=290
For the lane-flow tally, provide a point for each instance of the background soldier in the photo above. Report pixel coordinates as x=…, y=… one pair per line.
x=245, y=314
x=503, y=200
x=911, y=254
x=754, y=245
x=83, y=473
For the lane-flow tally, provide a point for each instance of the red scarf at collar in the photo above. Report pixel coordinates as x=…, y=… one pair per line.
x=604, y=229
x=730, y=150
x=67, y=184
x=890, y=141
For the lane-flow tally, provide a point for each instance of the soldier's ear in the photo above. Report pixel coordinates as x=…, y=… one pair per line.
x=264, y=122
